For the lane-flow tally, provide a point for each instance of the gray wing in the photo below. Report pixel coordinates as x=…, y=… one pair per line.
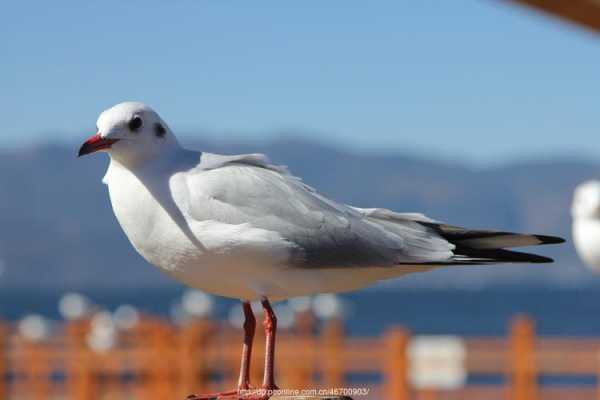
x=247, y=189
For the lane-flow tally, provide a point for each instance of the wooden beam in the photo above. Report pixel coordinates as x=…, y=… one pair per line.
x=583, y=12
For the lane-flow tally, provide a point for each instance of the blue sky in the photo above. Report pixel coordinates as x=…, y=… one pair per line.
x=479, y=80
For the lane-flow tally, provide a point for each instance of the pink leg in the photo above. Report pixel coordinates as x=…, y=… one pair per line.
x=270, y=332
x=249, y=329
x=244, y=381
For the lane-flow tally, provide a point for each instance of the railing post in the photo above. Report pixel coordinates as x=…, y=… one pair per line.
x=523, y=376
x=160, y=383
x=193, y=339
x=300, y=375
x=81, y=383
x=3, y=360
x=427, y=394
x=36, y=369
x=598, y=376
x=396, y=364
x=333, y=348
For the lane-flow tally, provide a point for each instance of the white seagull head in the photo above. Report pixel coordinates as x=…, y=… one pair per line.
x=130, y=132
x=586, y=200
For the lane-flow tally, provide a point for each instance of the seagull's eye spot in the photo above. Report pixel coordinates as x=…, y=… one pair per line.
x=135, y=124
x=159, y=130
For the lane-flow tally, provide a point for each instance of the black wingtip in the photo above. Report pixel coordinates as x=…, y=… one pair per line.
x=497, y=256
x=537, y=259
x=550, y=239
x=511, y=256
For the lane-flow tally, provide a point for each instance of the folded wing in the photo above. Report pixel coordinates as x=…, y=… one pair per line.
x=247, y=189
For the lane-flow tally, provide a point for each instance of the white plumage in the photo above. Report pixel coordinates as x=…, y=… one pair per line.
x=239, y=226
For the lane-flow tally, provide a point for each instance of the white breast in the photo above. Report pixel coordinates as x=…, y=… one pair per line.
x=146, y=222
x=229, y=260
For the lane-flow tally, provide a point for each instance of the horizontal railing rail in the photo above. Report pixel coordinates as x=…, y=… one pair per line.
x=162, y=360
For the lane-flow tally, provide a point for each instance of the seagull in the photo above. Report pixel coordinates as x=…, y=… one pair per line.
x=242, y=227
x=585, y=211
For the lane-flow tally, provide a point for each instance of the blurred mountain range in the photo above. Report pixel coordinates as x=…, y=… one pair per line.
x=58, y=230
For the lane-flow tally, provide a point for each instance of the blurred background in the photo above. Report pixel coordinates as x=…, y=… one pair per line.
x=476, y=112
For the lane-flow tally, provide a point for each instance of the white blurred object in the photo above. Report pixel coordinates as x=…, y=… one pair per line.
x=103, y=334
x=236, y=316
x=34, y=327
x=73, y=305
x=326, y=306
x=285, y=315
x=300, y=304
x=437, y=362
x=102, y=320
x=585, y=211
x=197, y=304
x=126, y=317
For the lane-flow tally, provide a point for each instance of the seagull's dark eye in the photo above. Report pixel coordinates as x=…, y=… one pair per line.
x=135, y=124
x=159, y=129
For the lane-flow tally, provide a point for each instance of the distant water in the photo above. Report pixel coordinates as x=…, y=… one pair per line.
x=485, y=312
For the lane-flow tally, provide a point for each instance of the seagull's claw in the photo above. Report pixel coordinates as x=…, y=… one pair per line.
x=248, y=393
x=213, y=396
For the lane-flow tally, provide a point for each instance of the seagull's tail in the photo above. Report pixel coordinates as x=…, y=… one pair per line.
x=490, y=247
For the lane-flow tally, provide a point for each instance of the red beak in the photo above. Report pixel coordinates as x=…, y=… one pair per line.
x=94, y=144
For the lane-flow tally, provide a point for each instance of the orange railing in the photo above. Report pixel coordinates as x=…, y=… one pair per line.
x=162, y=361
